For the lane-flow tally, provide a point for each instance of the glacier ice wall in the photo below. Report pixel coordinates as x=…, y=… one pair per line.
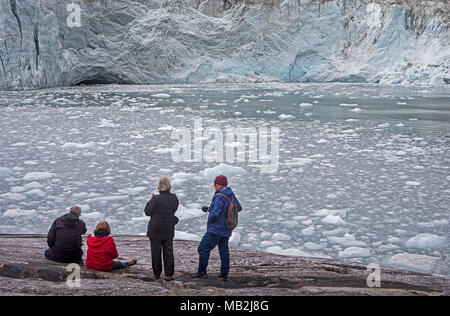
x=176, y=41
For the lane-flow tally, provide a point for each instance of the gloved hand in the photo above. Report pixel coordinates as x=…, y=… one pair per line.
x=205, y=209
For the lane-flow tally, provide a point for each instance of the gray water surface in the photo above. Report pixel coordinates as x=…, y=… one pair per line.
x=363, y=169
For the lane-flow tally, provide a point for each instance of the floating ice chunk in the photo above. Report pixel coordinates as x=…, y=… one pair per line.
x=176, y=101
x=163, y=150
x=161, y=95
x=434, y=223
x=394, y=240
x=300, y=161
x=269, y=112
x=140, y=219
x=18, y=212
x=326, y=212
x=354, y=252
x=355, y=110
x=4, y=172
x=132, y=191
x=35, y=176
x=425, y=241
x=108, y=123
x=13, y=196
x=235, y=239
x=21, y=144
x=222, y=169
x=179, y=235
x=333, y=220
x=281, y=236
x=308, y=231
x=36, y=192
x=348, y=104
x=335, y=232
x=306, y=105
x=184, y=213
x=415, y=262
x=274, y=94
x=78, y=145
x=322, y=141
x=285, y=116
x=346, y=241
x=267, y=243
x=32, y=185
x=179, y=178
x=107, y=198
x=287, y=252
x=412, y=183
x=312, y=246
x=165, y=128
x=93, y=215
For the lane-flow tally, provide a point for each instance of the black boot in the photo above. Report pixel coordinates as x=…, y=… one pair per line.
x=200, y=275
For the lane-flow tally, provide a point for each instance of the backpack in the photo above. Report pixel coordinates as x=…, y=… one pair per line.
x=231, y=220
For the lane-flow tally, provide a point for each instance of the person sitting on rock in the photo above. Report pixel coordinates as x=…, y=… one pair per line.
x=102, y=251
x=64, y=238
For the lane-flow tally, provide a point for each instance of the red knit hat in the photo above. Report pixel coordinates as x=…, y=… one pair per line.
x=222, y=180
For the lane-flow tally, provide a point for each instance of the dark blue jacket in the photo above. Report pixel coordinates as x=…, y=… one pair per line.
x=218, y=212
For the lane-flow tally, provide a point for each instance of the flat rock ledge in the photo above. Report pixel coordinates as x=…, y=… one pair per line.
x=25, y=271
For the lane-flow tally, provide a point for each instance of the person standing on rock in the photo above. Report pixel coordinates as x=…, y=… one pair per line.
x=217, y=233
x=64, y=238
x=161, y=228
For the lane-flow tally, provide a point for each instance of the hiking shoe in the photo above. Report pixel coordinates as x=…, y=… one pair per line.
x=157, y=277
x=222, y=277
x=200, y=275
x=169, y=278
x=131, y=263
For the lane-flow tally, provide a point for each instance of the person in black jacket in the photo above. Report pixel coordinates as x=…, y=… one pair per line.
x=161, y=228
x=64, y=238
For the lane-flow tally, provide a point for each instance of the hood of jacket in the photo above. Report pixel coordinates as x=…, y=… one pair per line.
x=70, y=219
x=227, y=191
x=96, y=242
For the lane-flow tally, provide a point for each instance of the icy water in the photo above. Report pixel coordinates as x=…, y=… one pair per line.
x=363, y=169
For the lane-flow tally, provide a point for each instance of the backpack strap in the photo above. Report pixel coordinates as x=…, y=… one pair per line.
x=221, y=194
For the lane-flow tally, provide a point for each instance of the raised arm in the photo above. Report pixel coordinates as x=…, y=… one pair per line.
x=150, y=207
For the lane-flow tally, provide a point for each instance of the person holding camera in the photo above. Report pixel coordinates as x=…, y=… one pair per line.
x=218, y=230
x=161, y=228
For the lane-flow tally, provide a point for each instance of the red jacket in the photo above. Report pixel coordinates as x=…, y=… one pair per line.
x=101, y=253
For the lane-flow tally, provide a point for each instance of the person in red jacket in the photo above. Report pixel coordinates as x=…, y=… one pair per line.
x=102, y=251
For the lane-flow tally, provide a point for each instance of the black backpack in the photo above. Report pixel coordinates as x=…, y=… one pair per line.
x=231, y=220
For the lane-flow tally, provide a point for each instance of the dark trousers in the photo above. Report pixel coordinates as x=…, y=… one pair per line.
x=65, y=257
x=208, y=243
x=166, y=247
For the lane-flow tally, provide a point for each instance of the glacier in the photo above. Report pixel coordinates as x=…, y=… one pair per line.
x=194, y=41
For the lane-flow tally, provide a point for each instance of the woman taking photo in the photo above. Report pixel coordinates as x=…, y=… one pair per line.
x=161, y=228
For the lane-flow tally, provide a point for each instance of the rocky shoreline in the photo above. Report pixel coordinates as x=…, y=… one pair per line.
x=25, y=271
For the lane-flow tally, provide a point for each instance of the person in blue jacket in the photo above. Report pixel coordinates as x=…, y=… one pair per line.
x=217, y=233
